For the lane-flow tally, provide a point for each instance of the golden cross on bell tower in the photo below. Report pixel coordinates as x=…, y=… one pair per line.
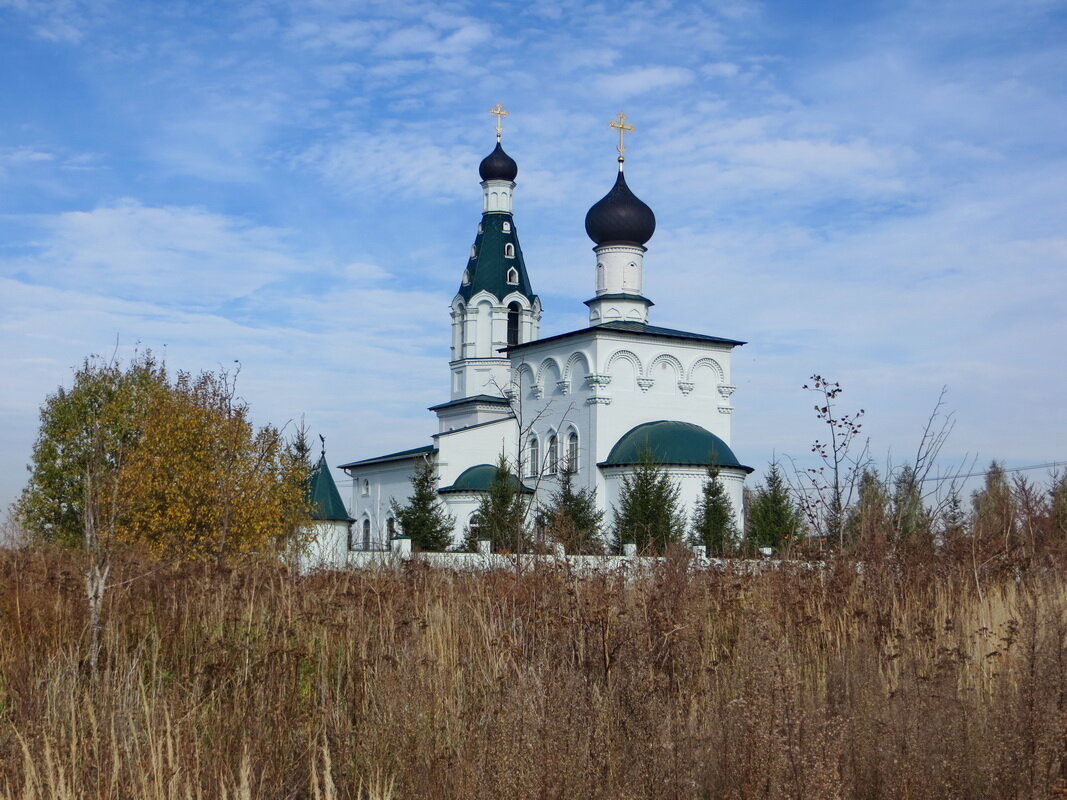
x=623, y=128
x=500, y=113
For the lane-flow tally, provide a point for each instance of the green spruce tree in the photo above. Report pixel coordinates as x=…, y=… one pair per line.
x=713, y=518
x=424, y=520
x=909, y=515
x=773, y=518
x=869, y=519
x=572, y=518
x=502, y=512
x=649, y=513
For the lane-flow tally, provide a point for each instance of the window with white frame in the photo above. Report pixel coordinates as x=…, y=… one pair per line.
x=506, y=227
x=366, y=534
x=572, y=451
x=364, y=487
x=509, y=250
x=553, y=454
x=513, y=276
x=390, y=527
x=534, y=456
x=474, y=525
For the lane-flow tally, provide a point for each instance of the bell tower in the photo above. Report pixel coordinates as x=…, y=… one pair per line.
x=495, y=306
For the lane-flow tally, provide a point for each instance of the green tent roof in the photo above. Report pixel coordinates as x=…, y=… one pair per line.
x=488, y=267
x=478, y=479
x=323, y=497
x=673, y=444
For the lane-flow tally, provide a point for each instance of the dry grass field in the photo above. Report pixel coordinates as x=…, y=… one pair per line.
x=908, y=677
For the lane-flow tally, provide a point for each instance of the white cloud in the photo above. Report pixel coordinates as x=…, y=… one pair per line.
x=630, y=83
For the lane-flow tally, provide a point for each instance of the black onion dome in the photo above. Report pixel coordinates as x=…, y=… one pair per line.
x=619, y=216
x=498, y=166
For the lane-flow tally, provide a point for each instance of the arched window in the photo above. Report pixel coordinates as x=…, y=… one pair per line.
x=553, y=454
x=365, y=487
x=466, y=279
x=600, y=277
x=474, y=251
x=509, y=250
x=513, y=276
x=534, y=465
x=572, y=451
x=390, y=527
x=479, y=227
x=474, y=526
x=366, y=534
x=507, y=227
x=514, y=314
x=351, y=538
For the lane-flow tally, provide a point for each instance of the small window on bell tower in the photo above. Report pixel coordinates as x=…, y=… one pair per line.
x=509, y=250
x=507, y=227
x=513, y=276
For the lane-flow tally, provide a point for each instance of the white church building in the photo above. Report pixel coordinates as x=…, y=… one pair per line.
x=592, y=400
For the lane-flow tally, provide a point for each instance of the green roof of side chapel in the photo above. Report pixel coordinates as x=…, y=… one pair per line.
x=672, y=443
x=479, y=479
x=323, y=497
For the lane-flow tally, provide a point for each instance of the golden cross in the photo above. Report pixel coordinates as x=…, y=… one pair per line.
x=623, y=129
x=500, y=114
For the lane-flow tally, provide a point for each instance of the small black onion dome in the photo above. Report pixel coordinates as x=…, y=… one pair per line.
x=498, y=166
x=619, y=216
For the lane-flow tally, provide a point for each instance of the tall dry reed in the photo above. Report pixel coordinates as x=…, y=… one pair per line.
x=891, y=679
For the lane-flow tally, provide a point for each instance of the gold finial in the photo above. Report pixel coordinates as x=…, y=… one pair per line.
x=500, y=113
x=623, y=129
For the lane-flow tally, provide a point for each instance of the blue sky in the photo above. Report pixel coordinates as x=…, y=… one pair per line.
x=871, y=191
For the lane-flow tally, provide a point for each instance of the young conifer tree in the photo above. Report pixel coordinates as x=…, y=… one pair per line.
x=713, y=519
x=503, y=512
x=773, y=518
x=869, y=518
x=572, y=518
x=424, y=519
x=649, y=513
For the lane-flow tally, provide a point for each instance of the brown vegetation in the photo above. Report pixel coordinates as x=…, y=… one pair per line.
x=904, y=677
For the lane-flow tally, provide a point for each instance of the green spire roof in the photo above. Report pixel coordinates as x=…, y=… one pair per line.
x=488, y=266
x=672, y=444
x=323, y=497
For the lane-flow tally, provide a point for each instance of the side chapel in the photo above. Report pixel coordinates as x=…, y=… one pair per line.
x=590, y=400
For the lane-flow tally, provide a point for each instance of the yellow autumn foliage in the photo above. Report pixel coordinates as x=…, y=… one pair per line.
x=203, y=481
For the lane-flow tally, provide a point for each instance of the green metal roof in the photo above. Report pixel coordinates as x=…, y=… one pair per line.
x=323, y=497
x=674, y=444
x=478, y=398
x=635, y=328
x=478, y=479
x=488, y=267
x=415, y=452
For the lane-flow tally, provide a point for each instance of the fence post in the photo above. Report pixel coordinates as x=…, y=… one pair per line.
x=699, y=551
x=401, y=545
x=485, y=547
x=629, y=548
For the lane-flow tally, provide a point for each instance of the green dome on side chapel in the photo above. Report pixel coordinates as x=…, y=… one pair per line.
x=478, y=479
x=673, y=444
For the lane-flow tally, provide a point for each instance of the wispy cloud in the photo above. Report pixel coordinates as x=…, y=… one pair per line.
x=875, y=194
